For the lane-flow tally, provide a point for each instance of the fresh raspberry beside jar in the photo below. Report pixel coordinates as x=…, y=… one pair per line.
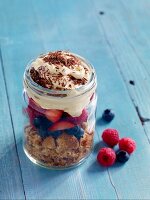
x=60, y=103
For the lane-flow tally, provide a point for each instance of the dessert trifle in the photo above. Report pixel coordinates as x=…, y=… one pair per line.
x=60, y=103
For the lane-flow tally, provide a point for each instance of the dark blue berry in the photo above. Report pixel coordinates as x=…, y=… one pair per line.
x=122, y=156
x=43, y=132
x=76, y=131
x=108, y=115
x=36, y=122
x=72, y=131
x=42, y=122
x=55, y=134
x=80, y=134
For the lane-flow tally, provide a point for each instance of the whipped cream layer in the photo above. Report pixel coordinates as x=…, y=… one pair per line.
x=74, y=77
x=60, y=70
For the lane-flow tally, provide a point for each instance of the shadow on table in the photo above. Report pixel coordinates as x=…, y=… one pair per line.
x=98, y=146
x=35, y=178
x=101, y=122
x=96, y=168
x=118, y=165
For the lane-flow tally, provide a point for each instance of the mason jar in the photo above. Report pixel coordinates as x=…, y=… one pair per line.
x=59, y=125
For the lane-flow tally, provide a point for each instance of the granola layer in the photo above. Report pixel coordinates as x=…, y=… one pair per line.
x=64, y=151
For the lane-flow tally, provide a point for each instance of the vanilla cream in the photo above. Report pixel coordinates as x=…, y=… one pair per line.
x=73, y=104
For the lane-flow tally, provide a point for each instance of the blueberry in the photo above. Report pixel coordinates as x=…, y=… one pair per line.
x=36, y=122
x=122, y=156
x=42, y=122
x=72, y=131
x=76, y=131
x=108, y=115
x=80, y=134
x=55, y=134
x=43, y=132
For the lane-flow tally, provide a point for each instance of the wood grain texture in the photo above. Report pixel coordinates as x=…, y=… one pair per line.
x=138, y=37
x=126, y=29
x=11, y=186
x=130, y=68
x=44, y=184
x=33, y=27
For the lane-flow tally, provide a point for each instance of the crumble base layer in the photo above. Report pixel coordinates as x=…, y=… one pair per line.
x=64, y=151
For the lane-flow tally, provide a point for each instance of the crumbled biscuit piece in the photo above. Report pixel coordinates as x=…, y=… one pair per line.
x=68, y=151
x=35, y=140
x=32, y=138
x=45, y=152
x=91, y=133
x=28, y=129
x=49, y=143
x=67, y=142
x=87, y=140
x=84, y=125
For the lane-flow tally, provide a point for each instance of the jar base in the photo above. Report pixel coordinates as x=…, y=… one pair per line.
x=40, y=164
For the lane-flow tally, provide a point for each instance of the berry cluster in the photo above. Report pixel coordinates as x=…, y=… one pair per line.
x=107, y=156
x=51, y=122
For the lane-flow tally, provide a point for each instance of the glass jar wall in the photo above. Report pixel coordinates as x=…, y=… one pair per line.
x=60, y=135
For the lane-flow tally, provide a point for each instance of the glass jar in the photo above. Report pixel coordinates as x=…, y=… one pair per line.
x=60, y=135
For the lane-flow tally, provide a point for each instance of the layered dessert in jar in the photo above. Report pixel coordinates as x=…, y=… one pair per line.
x=59, y=108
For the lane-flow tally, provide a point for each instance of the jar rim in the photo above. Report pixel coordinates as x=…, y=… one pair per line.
x=28, y=81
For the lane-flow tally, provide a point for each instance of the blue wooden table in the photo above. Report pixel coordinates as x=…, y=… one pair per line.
x=114, y=36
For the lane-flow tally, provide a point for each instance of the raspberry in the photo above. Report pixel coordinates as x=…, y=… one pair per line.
x=106, y=157
x=80, y=119
x=127, y=144
x=110, y=137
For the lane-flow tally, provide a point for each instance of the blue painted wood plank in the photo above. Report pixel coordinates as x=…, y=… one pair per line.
x=19, y=24
x=129, y=34
x=127, y=60
x=138, y=37
x=11, y=186
x=30, y=38
x=137, y=33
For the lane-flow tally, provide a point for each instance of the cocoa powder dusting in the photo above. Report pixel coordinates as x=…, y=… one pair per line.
x=40, y=78
x=43, y=76
x=57, y=58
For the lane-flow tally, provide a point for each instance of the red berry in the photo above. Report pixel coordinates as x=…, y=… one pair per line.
x=106, y=157
x=32, y=114
x=61, y=126
x=127, y=144
x=35, y=106
x=79, y=120
x=110, y=137
x=53, y=115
